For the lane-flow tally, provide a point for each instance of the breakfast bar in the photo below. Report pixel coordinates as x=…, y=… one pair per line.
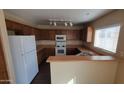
x=82, y=69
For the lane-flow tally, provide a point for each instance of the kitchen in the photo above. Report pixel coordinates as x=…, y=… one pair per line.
x=63, y=47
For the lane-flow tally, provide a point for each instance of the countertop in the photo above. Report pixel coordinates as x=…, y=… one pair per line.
x=80, y=58
x=74, y=58
x=40, y=47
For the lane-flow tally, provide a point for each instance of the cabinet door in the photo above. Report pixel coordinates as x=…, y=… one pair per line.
x=44, y=35
x=17, y=27
x=9, y=25
x=58, y=32
x=84, y=34
x=76, y=35
x=27, y=30
x=71, y=35
x=36, y=32
x=89, y=34
x=64, y=32
x=41, y=56
x=52, y=35
x=13, y=25
x=49, y=52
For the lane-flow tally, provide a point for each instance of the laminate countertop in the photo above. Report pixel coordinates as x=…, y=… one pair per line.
x=74, y=58
x=40, y=47
x=80, y=58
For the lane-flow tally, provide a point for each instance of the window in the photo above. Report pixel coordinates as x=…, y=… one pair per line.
x=107, y=38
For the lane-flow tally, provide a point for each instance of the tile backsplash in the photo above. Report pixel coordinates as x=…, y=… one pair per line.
x=52, y=42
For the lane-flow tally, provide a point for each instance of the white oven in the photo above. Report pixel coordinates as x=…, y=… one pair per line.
x=60, y=37
x=60, y=51
x=60, y=45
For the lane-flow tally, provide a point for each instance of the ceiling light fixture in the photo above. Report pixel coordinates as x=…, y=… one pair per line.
x=71, y=24
x=66, y=23
x=54, y=23
x=51, y=23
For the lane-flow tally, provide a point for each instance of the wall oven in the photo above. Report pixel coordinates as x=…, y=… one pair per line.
x=61, y=38
x=60, y=45
x=60, y=51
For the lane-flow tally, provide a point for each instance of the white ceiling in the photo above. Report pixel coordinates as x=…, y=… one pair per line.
x=41, y=16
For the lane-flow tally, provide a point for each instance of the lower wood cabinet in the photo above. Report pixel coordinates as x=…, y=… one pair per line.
x=44, y=54
x=40, y=56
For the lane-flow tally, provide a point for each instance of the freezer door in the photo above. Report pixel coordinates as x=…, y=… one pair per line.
x=28, y=44
x=31, y=65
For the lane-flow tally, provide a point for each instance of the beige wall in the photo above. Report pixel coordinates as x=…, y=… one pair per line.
x=83, y=72
x=116, y=17
x=6, y=49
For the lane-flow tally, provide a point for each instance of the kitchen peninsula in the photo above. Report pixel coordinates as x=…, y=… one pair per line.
x=82, y=69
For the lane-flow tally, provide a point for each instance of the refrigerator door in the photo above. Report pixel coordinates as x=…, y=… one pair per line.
x=31, y=65
x=28, y=44
x=18, y=59
x=23, y=50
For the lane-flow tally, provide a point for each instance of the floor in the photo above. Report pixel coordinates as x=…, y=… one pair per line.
x=43, y=77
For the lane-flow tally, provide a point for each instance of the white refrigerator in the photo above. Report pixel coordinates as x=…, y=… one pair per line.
x=23, y=50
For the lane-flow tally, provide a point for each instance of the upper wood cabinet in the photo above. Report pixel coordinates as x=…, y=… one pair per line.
x=83, y=34
x=52, y=35
x=73, y=35
x=58, y=32
x=45, y=34
x=89, y=34
x=63, y=32
x=27, y=30
x=13, y=25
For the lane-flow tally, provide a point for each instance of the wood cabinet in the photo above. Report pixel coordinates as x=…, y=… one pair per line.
x=13, y=25
x=36, y=33
x=64, y=32
x=27, y=30
x=44, y=54
x=73, y=35
x=41, y=56
x=46, y=34
x=52, y=35
x=58, y=32
x=49, y=52
x=89, y=34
